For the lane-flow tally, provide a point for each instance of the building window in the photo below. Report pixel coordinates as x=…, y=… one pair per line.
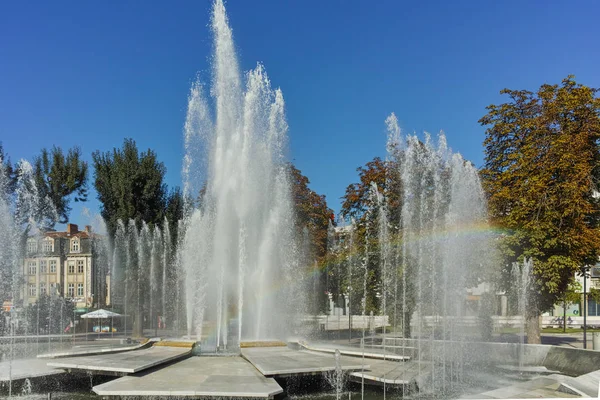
x=32, y=267
x=31, y=245
x=42, y=289
x=80, y=266
x=75, y=245
x=52, y=266
x=53, y=289
x=71, y=290
x=80, y=290
x=32, y=290
x=593, y=308
x=43, y=266
x=48, y=244
x=71, y=267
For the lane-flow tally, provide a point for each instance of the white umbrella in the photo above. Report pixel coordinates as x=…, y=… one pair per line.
x=101, y=314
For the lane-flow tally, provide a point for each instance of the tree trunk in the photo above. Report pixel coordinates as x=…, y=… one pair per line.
x=565, y=315
x=533, y=329
x=138, y=329
x=406, y=327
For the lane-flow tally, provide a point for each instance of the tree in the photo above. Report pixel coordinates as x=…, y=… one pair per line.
x=312, y=217
x=174, y=211
x=59, y=176
x=358, y=203
x=8, y=173
x=541, y=175
x=572, y=294
x=47, y=187
x=386, y=175
x=49, y=315
x=311, y=211
x=130, y=185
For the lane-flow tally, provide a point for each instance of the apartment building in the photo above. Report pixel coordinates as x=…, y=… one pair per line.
x=62, y=264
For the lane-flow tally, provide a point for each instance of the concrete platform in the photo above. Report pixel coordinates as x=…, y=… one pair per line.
x=542, y=387
x=196, y=377
x=391, y=373
x=123, y=363
x=354, y=351
x=26, y=369
x=95, y=349
x=587, y=385
x=283, y=361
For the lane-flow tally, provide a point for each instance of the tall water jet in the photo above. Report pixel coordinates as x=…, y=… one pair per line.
x=238, y=243
x=521, y=273
x=443, y=243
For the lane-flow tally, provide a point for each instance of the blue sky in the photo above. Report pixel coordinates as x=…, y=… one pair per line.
x=92, y=73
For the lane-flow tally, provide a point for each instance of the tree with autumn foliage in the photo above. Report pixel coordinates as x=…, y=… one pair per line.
x=541, y=173
x=312, y=217
x=311, y=211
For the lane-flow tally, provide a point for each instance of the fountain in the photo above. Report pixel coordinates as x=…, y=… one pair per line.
x=239, y=245
x=336, y=378
x=144, y=275
x=236, y=266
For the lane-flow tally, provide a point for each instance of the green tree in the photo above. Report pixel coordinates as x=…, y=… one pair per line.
x=541, y=176
x=49, y=314
x=130, y=185
x=61, y=177
x=174, y=211
x=571, y=295
x=8, y=173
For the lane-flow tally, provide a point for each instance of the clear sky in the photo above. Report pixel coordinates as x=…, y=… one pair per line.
x=90, y=73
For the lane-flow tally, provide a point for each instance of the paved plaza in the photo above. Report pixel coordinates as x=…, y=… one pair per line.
x=283, y=361
x=196, y=376
x=123, y=363
x=26, y=368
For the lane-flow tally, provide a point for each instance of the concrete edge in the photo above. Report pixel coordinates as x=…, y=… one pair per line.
x=117, y=369
x=181, y=393
x=145, y=344
x=568, y=389
x=367, y=377
x=352, y=353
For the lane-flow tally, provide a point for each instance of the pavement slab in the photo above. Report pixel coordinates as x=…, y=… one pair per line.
x=588, y=385
x=542, y=387
x=283, y=361
x=202, y=376
x=354, y=351
x=391, y=373
x=122, y=363
x=26, y=369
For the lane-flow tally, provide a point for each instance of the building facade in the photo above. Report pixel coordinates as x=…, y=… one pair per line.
x=63, y=264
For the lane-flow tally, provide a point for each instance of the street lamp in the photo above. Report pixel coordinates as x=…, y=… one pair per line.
x=584, y=271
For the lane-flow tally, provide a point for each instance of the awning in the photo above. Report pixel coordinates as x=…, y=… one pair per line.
x=101, y=314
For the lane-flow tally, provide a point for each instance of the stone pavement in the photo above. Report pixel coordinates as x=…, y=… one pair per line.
x=283, y=361
x=196, y=376
x=122, y=363
x=96, y=348
x=543, y=387
x=587, y=385
x=27, y=368
x=392, y=373
x=354, y=351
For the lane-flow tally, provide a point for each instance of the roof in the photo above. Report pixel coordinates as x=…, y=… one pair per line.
x=80, y=234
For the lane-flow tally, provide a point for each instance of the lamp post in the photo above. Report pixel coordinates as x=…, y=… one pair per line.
x=584, y=272
x=349, y=316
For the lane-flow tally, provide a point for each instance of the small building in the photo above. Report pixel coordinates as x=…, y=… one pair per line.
x=64, y=264
x=592, y=309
